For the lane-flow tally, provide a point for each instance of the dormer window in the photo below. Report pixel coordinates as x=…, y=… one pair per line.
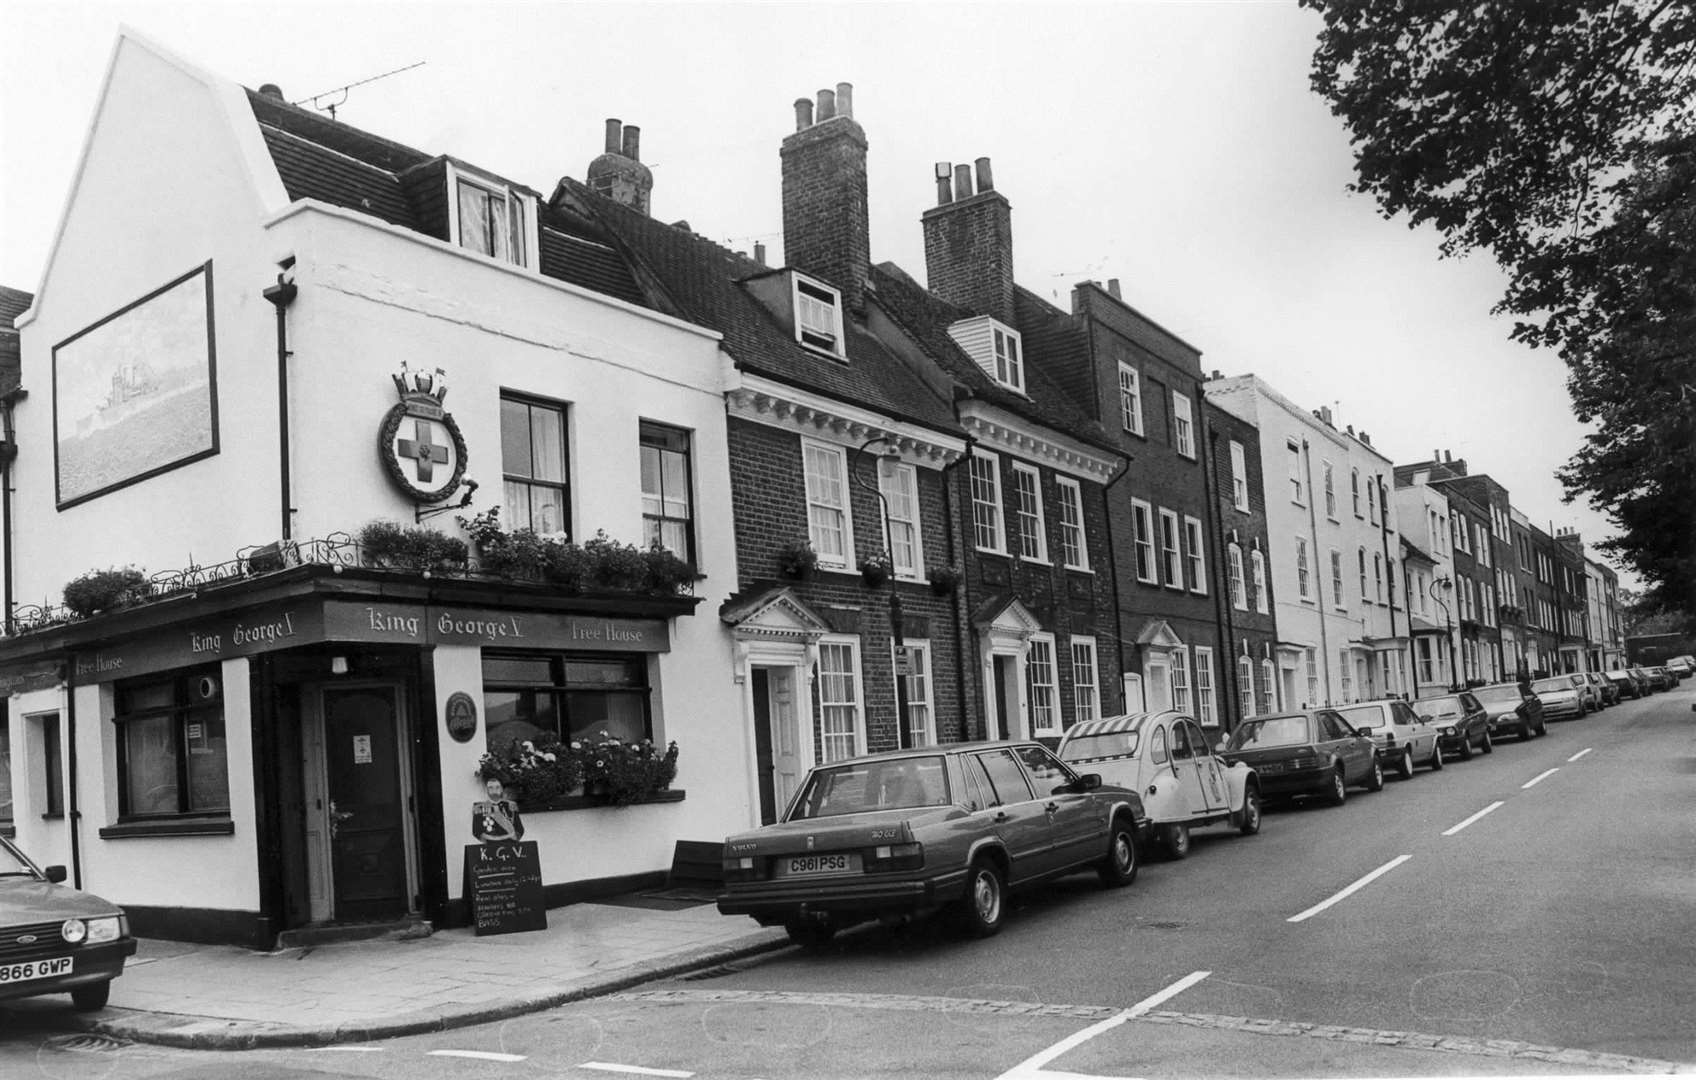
x=818, y=316
x=995, y=347
x=492, y=218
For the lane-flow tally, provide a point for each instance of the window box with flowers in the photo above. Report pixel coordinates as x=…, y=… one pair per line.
x=944, y=579
x=798, y=560
x=547, y=774
x=876, y=568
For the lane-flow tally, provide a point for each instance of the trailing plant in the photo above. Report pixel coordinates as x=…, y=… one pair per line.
x=607, y=768
x=401, y=547
x=798, y=560
x=944, y=579
x=601, y=564
x=104, y=590
x=622, y=773
x=534, y=771
x=875, y=568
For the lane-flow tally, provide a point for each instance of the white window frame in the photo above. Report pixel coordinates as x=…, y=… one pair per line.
x=1378, y=576
x=1074, y=539
x=1029, y=517
x=1245, y=685
x=1234, y=580
x=1036, y=691
x=1330, y=475
x=1007, y=356
x=1312, y=658
x=515, y=202
x=1130, y=398
x=1337, y=600
x=819, y=499
x=830, y=341
x=921, y=692
x=899, y=483
x=1183, y=425
x=1142, y=521
x=1304, y=571
x=1257, y=568
x=1361, y=559
x=989, y=506
x=1171, y=550
x=828, y=646
x=1239, y=477
x=1268, y=686
x=1345, y=665
x=1180, y=679
x=1195, y=554
x=1206, y=704
x=1298, y=483
x=1354, y=490
x=1086, y=679
x=1372, y=490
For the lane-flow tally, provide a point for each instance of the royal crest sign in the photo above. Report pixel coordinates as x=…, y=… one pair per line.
x=421, y=447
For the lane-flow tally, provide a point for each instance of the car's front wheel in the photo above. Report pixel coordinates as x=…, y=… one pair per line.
x=1404, y=767
x=981, y=910
x=1486, y=745
x=810, y=933
x=1119, y=868
x=1178, y=841
x=1250, y=821
x=1375, y=778
x=91, y=997
x=1465, y=748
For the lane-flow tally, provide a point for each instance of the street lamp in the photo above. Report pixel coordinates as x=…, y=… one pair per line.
x=1448, y=627
x=903, y=663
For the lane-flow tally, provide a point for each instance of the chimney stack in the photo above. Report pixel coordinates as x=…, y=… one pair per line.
x=759, y=252
x=1113, y=288
x=619, y=173
x=272, y=90
x=969, y=244
x=826, y=227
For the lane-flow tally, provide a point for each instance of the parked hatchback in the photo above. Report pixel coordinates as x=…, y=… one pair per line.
x=906, y=833
x=1165, y=758
x=55, y=939
x=1511, y=709
x=1402, y=739
x=1561, y=699
x=1306, y=753
x=1628, y=685
x=1461, y=722
x=1606, y=692
x=1682, y=666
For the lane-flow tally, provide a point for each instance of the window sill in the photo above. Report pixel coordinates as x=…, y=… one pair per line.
x=1080, y=569
x=53, y=816
x=1034, y=561
x=173, y=827
x=592, y=802
x=9, y=831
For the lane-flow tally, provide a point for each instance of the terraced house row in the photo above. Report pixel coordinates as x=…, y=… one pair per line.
x=418, y=466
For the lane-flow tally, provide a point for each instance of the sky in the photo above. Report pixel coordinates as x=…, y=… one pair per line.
x=1174, y=146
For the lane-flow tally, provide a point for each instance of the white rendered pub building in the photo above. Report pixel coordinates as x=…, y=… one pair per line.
x=259, y=330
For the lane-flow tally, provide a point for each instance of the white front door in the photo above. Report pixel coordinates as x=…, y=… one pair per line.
x=777, y=738
x=1157, y=683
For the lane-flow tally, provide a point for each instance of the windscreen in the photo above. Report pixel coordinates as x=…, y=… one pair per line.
x=1497, y=693
x=1106, y=745
x=1438, y=707
x=902, y=783
x=1364, y=716
x=1552, y=686
x=1275, y=731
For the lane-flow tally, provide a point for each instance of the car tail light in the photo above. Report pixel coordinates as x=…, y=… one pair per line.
x=1389, y=738
x=894, y=857
x=743, y=868
x=1305, y=761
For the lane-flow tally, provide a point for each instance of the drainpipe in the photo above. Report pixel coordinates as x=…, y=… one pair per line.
x=8, y=454
x=1389, y=563
x=1223, y=624
x=281, y=295
x=1318, y=591
x=73, y=813
x=1113, y=568
x=962, y=605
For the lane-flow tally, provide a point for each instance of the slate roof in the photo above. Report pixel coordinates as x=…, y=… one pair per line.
x=336, y=163
x=703, y=282
x=13, y=302
x=928, y=318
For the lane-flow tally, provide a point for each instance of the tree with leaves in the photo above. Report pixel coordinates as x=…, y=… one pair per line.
x=1559, y=137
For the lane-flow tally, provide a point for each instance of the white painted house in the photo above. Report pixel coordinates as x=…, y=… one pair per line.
x=211, y=365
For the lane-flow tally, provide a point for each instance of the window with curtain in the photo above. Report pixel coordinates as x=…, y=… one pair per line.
x=1195, y=555
x=492, y=220
x=1027, y=514
x=533, y=465
x=172, y=756
x=666, y=501
x=899, y=484
x=1074, y=549
x=1143, y=516
x=827, y=502
x=1086, y=688
x=1130, y=399
x=1171, y=549
x=920, y=729
x=1245, y=686
x=1181, y=678
x=1330, y=492
x=1234, y=577
x=839, y=699
x=567, y=695
x=1041, y=685
x=1204, y=708
x=1304, y=576
x=1268, y=687
x=1183, y=425
x=1257, y=563
x=1239, y=477
x=986, y=504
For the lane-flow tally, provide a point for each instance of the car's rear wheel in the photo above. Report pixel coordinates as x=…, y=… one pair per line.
x=1404, y=767
x=1525, y=731
x=1542, y=729
x=1250, y=821
x=1486, y=745
x=1178, y=840
x=810, y=933
x=1339, y=792
x=1119, y=868
x=1436, y=761
x=91, y=997
x=1375, y=778
x=979, y=914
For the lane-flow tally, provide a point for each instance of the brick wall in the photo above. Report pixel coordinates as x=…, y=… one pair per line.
x=825, y=223
x=969, y=254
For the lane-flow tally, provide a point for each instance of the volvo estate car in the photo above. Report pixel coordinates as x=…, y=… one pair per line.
x=903, y=834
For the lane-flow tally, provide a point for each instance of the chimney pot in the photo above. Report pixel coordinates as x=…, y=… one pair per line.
x=803, y=113
x=614, y=126
x=1365, y=438
x=1113, y=288
x=962, y=181
x=1447, y=457
x=944, y=186
x=827, y=105
x=986, y=179
x=759, y=253
x=272, y=90
x=633, y=142
x=845, y=100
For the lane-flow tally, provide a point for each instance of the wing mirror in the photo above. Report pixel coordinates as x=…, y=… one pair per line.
x=55, y=874
x=1363, y=733
x=1089, y=781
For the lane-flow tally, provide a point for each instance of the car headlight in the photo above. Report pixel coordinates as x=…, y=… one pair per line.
x=73, y=930
x=104, y=929
x=1448, y=731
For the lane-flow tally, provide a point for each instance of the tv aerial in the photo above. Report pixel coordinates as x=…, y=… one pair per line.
x=331, y=108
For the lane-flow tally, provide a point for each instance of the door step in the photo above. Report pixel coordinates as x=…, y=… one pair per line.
x=406, y=929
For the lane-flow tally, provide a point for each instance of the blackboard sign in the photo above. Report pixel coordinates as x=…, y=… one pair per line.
x=504, y=885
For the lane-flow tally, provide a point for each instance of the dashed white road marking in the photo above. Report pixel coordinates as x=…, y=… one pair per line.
x=1580, y=754
x=344, y=1049
x=634, y=1070
x=1032, y=1067
x=477, y=1055
x=1539, y=778
x=1457, y=828
x=1351, y=890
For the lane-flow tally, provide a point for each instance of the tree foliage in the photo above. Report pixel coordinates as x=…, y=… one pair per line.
x=1559, y=137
